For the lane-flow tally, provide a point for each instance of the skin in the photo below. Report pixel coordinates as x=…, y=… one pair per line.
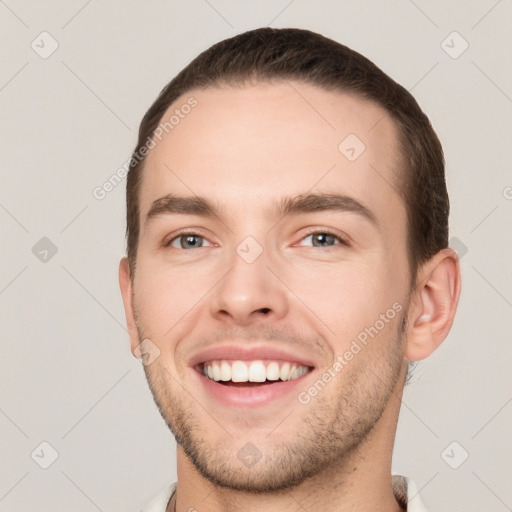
x=246, y=148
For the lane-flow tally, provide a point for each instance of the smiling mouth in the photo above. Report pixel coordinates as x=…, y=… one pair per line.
x=256, y=373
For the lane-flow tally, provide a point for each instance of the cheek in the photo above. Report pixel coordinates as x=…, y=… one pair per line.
x=347, y=301
x=340, y=296
x=166, y=295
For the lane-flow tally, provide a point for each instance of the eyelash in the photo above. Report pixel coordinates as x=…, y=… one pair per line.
x=180, y=234
x=341, y=240
x=326, y=232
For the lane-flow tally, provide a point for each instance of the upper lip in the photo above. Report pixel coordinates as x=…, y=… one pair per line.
x=246, y=353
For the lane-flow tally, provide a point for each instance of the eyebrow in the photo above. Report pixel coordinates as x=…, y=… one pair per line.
x=171, y=204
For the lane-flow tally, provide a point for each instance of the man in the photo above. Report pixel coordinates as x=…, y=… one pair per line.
x=287, y=261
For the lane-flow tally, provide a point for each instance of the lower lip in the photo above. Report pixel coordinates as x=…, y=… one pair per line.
x=250, y=396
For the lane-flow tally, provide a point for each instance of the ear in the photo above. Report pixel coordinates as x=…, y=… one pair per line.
x=433, y=304
x=125, y=283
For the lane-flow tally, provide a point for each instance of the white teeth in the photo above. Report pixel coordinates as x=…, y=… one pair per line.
x=239, y=372
x=257, y=372
x=273, y=371
x=216, y=372
x=225, y=371
x=284, y=373
x=254, y=371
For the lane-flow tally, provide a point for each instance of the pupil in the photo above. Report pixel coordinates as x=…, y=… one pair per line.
x=191, y=240
x=322, y=238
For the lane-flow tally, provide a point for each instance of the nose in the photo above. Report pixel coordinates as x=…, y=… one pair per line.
x=248, y=293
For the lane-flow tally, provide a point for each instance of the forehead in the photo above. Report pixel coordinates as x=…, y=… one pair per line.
x=252, y=144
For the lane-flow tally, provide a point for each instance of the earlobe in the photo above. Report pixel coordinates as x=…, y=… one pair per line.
x=433, y=304
x=125, y=283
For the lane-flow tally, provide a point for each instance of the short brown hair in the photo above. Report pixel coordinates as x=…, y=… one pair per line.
x=269, y=54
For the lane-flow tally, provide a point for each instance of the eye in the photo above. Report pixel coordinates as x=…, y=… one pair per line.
x=324, y=239
x=187, y=241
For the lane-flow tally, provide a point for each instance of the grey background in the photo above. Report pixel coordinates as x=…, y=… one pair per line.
x=70, y=120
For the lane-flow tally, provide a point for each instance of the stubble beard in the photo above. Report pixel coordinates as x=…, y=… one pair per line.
x=337, y=421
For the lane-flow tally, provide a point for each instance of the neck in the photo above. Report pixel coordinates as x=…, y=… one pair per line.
x=360, y=482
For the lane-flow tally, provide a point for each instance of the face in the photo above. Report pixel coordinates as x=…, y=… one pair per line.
x=284, y=245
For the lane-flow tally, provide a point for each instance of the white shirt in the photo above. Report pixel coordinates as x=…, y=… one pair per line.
x=403, y=488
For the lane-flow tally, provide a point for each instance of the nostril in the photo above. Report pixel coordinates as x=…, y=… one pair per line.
x=265, y=310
